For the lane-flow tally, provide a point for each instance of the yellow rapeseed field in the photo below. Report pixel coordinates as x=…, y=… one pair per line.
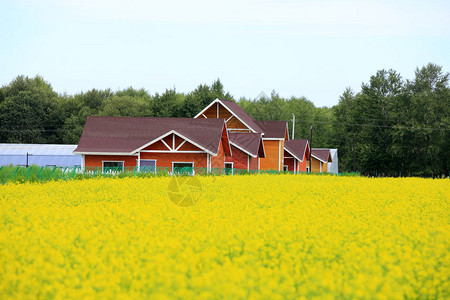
x=259, y=236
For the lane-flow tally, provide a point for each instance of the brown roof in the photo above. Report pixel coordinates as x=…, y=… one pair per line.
x=241, y=114
x=126, y=135
x=251, y=143
x=321, y=154
x=273, y=129
x=297, y=148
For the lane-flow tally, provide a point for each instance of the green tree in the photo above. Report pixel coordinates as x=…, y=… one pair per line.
x=76, y=109
x=345, y=133
x=29, y=111
x=125, y=106
x=202, y=96
x=423, y=127
x=374, y=110
x=168, y=104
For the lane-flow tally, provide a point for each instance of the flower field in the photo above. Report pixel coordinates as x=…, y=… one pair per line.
x=260, y=236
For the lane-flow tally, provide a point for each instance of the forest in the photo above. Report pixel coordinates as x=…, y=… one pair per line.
x=392, y=126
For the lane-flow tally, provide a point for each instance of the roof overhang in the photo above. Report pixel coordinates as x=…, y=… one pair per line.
x=293, y=155
x=242, y=149
x=104, y=153
x=325, y=161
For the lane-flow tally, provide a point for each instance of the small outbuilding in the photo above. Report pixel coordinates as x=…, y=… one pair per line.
x=319, y=160
x=333, y=166
x=43, y=155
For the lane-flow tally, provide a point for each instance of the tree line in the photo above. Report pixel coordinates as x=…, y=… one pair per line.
x=392, y=126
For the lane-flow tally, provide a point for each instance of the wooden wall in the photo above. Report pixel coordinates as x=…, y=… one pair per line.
x=165, y=159
x=274, y=157
x=239, y=158
x=315, y=165
x=289, y=161
x=96, y=160
x=225, y=114
x=219, y=160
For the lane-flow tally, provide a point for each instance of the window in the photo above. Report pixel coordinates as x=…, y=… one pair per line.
x=113, y=166
x=285, y=168
x=147, y=165
x=183, y=168
x=307, y=169
x=229, y=168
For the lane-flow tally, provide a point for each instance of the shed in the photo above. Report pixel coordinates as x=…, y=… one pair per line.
x=333, y=166
x=320, y=158
x=39, y=154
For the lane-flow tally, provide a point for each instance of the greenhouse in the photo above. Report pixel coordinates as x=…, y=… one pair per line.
x=43, y=155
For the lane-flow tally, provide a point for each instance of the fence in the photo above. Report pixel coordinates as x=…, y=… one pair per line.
x=42, y=174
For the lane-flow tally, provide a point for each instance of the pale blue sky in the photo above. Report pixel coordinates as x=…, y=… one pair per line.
x=299, y=48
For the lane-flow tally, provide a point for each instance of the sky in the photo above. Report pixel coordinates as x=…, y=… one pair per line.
x=313, y=49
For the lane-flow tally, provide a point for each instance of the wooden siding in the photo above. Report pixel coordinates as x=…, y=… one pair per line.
x=219, y=160
x=253, y=163
x=300, y=165
x=224, y=114
x=315, y=165
x=157, y=146
x=96, y=160
x=210, y=112
x=165, y=159
x=242, y=160
x=274, y=156
x=189, y=147
x=235, y=123
x=239, y=130
x=289, y=161
x=178, y=141
x=239, y=158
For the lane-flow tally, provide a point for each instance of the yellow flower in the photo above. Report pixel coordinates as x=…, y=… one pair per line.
x=261, y=236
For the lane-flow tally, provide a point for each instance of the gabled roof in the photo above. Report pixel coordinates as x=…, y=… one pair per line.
x=296, y=148
x=273, y=129
x=321, y=154
x=127, y=135
x=237, y=111
x=250, y=143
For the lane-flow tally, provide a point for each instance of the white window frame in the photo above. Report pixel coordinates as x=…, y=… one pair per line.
x=287, y=168
x=232, y=167
x=183, y=162
x=155, y=160
x=119, y=161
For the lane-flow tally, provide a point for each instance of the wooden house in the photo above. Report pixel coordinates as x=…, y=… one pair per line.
x=121, y=142
x=247, y=149
x=296, y=155
x=319, y=160
x=273, y=133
